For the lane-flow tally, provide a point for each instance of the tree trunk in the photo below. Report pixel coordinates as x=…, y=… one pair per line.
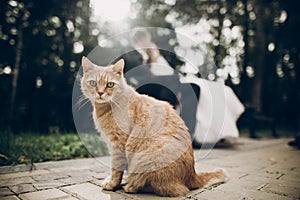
x=260, y=47
x=246, y=82
x=220, y=27
x=15, y=77
x=297, y=68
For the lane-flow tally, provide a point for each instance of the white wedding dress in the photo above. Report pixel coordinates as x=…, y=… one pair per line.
x=218, y=108
x=217, y=112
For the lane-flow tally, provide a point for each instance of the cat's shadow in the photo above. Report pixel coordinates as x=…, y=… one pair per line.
x=222, y=144
x=121, y=194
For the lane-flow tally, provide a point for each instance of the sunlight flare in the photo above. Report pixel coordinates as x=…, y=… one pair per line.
x=113, y=10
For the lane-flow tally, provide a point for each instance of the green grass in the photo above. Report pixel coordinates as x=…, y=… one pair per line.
x=32, y=148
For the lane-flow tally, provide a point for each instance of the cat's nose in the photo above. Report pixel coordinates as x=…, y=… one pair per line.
x=100, y=93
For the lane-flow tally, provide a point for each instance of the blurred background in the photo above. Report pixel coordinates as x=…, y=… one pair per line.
x=254, y=43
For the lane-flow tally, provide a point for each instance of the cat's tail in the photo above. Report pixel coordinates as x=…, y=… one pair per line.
x=207, y=179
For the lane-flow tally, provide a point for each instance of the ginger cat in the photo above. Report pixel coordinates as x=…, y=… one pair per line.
x=147, y=137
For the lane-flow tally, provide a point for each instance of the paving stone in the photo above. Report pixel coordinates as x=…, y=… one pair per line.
x=23, y=174
x=250, y=181
x=74, y=172
x=5, y=192
x=62, y=169
x=50, y=176
x=16, y=181
x=87, y=174
x=241, y=190
x=13, y=169
x=217, y=194
x=238, y=164
x=79, y=163
x=102, y=163
x=207, y=154
x=97, y=182
x=22, y=188
x=69, y=198
x=45, y=195
x=292, y=178
x=10, y=198
x=76, y=180
x=97, y=175
x=288, y=169
x=90, y=191
x=261, y=195
x=49, y=184
x=269, y=173
x=282, y=190
x=147, y=196
x=90, y=164
x=101, y=168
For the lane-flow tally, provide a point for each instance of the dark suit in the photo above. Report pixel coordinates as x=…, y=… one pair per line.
x=138, y=74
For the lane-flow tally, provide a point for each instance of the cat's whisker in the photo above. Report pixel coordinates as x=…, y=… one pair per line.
x=120, y=96
x=87, y=100
x=82, y=102
x=116, y=103
x=81, y=98
x=116, y=97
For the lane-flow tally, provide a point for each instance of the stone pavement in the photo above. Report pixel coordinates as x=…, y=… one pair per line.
x=259, y=169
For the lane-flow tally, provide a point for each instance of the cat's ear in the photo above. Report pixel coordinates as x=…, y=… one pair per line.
x=86, y=64
x=119, y=66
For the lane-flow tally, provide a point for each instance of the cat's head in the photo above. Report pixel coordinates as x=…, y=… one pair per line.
x=102, y=84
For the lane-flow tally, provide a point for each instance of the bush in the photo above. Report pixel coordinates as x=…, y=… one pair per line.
x=33, y=148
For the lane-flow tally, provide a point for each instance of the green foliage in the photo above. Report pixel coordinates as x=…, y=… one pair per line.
x=32, y=148
x=48, y=61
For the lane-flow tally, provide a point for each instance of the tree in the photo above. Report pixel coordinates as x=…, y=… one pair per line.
x=267, y=53
x=44, y=42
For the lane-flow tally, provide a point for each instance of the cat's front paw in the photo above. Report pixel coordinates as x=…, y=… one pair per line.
x=111, y=186
x=108, y=184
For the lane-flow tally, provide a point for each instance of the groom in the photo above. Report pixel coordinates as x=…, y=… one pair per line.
x=149, y=72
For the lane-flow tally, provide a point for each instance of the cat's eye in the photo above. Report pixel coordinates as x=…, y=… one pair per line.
x=93, y=83
x=110, y=84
